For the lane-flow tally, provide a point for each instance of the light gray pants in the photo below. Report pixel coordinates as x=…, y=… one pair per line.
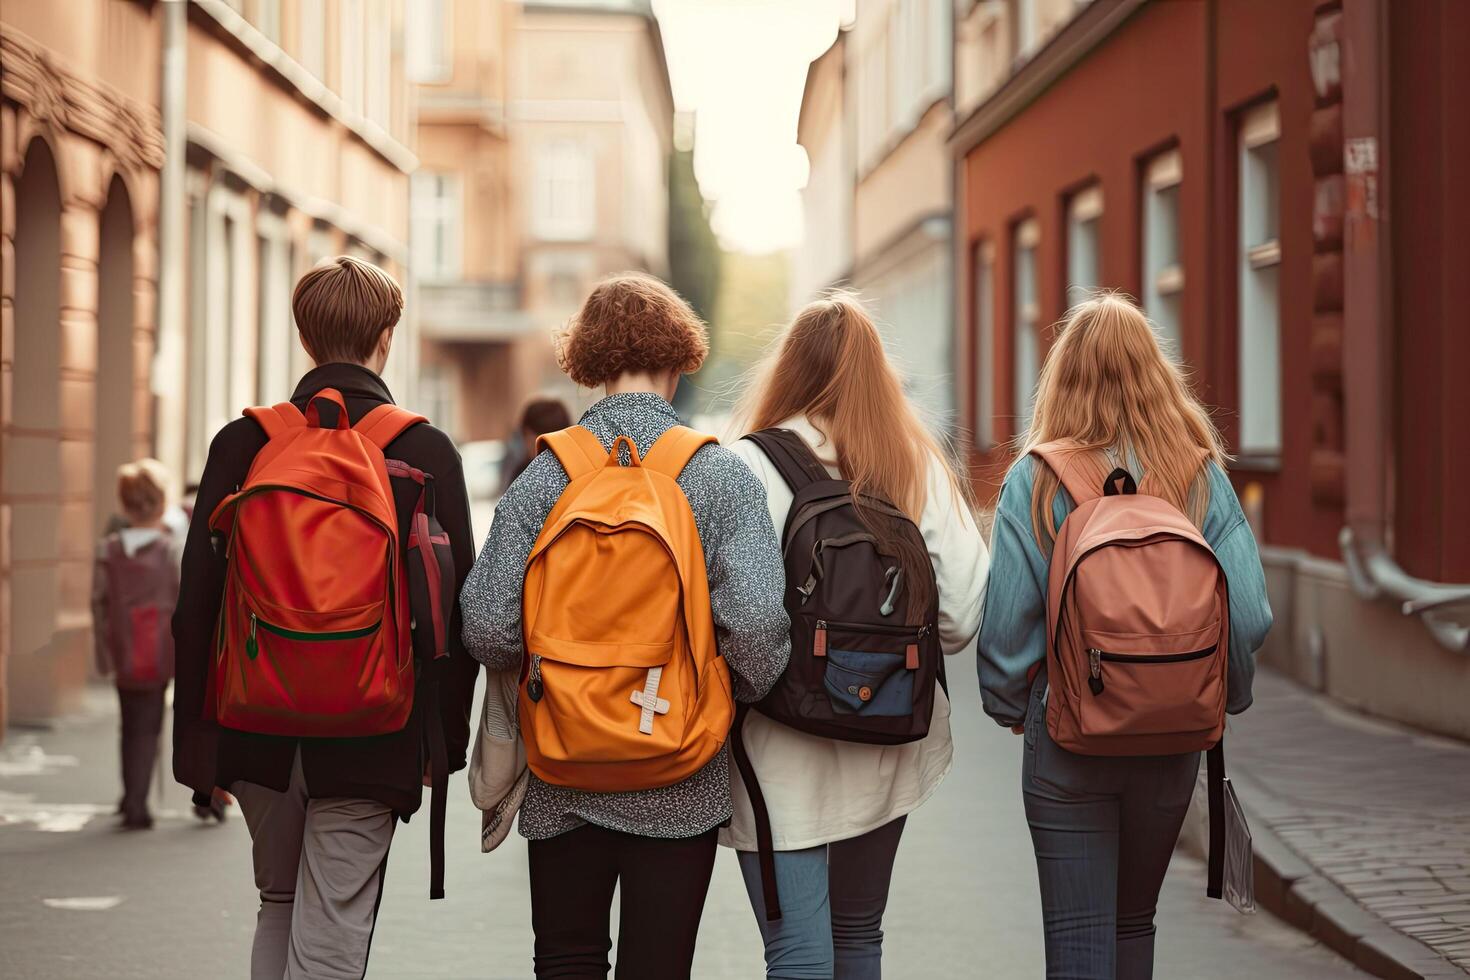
x=319, y=867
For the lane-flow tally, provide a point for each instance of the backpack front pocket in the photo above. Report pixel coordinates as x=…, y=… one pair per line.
x=1150, y=685
x=865, y=683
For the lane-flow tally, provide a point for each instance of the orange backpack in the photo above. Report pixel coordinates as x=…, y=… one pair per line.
x=623, y=687
x=1139, y=619
x=313, y=636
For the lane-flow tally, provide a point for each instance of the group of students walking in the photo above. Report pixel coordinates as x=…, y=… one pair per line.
x=739, y=645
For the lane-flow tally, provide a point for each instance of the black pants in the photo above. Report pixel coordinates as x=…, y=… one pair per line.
x=142, y=722
x=662, y=883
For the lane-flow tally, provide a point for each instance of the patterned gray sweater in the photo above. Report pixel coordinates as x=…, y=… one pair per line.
x=746, y=580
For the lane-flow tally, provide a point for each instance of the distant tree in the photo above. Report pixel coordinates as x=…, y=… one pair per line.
x=694, y=252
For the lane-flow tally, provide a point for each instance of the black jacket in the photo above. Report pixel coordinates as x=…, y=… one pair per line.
x=385, y=768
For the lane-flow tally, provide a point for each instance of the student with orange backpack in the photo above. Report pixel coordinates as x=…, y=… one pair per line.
x=1126, y=603
x=633, y=575
x=320, y=673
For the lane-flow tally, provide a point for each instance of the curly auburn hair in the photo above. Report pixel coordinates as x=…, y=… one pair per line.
x=631, y=323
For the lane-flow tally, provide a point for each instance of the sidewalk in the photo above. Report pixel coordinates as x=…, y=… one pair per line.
x=1362, y=829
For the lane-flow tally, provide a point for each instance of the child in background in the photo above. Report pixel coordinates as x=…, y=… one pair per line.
x=134, y=589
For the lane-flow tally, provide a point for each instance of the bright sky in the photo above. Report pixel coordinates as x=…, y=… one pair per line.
x=740, y=65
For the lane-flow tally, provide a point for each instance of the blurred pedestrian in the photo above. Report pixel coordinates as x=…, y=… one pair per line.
x=135, y=585
x=315, y=703
x=540, y=415
x=626, y=702
x=1110, y=401
x=835, y=788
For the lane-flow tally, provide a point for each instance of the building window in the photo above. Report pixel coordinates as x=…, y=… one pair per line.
x=984, y=333
x=1028, y=29
x=312, y=38
x=563, y=205
x=1163, y=266
x=273, y=290
x=1084, y=248
x=266, y=15
x=428, y=41
x=437, y=235
x=350, y=74
x=1260, y=264
x=1025, y=320
x=378, y=58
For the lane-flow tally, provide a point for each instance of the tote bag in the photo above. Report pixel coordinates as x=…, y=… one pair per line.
x=498, y=773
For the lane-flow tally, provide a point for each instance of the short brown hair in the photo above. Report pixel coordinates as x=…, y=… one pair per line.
x=543, y=415
x=631, y=322
x=342, y=307
x=141, y=491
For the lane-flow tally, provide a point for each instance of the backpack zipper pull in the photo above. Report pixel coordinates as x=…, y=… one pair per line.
x=819, y=640
x=1094, y=668
x=251, y=646
x=534, y=689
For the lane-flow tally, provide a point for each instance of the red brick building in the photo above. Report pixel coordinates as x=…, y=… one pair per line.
x=1276, y=181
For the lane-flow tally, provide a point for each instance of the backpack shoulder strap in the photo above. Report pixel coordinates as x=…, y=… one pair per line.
x=576, y=449
x=275, y=419
x=792, y=457
x=671, y=452
x=1082, y=471
x=386, y=422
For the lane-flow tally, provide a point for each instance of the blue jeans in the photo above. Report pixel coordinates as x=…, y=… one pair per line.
x=1104, y=829
x=832, y=902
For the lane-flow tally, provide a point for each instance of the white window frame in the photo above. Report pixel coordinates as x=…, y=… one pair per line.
x=564, y=196
x=982, y=301
x=430, y=25
x=311, y=37
x=1163, y=261
x=1025, y=319
x=1028, y=28
x=351, y=74
x=1259, y=301
x=437, y=231
x=274, y=341
x=1084, y=228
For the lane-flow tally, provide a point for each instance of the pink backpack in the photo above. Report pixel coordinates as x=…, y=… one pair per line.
x=142, y=589
x=1138, y=616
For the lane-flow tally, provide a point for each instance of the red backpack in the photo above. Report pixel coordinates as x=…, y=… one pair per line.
x=314, y=631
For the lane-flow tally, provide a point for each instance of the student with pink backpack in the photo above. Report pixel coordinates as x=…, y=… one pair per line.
x=1125, y=606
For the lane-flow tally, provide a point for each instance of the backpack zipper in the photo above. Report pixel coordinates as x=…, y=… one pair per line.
x=911, y=652
x=252, y=645
x=1096, y=657
x=533, y=681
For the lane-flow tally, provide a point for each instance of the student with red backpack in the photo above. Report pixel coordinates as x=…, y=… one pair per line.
x=633, y=577
x=320, y=673
x=885, y=574
x=1126, y=604
x=134, y=587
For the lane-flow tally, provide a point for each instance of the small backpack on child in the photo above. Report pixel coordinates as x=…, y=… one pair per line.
x=623, y=687
x=142, y=588
x=864, y=608
x=1138, y=619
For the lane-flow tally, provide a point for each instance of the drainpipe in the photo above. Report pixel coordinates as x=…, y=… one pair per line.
x=168, y=381
x=1368, y=384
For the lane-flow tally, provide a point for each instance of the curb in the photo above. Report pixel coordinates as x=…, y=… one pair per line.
x=1290, y=887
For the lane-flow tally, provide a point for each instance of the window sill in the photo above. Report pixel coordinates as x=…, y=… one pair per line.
x=1257, y=462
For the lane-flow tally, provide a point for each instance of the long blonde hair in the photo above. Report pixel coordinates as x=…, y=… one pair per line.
x=1108, y=384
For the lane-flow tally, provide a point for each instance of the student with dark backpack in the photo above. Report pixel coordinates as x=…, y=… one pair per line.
x=885, y=574
x=1127, y=603
x=320, y=675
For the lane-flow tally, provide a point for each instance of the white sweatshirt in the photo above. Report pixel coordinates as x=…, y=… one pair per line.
x=820, y=790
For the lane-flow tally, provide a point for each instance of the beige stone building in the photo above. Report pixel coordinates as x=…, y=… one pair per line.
x=545, y=130
x=166, y=170
x=878, y=202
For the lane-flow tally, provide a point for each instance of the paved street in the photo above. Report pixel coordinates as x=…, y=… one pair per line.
x=80, y=900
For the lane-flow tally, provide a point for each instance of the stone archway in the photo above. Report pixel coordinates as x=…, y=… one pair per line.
x=114, y=432
x=31, y=486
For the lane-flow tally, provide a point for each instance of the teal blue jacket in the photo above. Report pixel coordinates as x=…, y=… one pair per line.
x=1013, y=630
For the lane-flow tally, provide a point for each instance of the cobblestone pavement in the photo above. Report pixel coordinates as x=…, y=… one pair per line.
x=1382, y=811
x=80, y=900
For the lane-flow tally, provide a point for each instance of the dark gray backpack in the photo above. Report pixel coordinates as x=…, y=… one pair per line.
x=864, y=605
